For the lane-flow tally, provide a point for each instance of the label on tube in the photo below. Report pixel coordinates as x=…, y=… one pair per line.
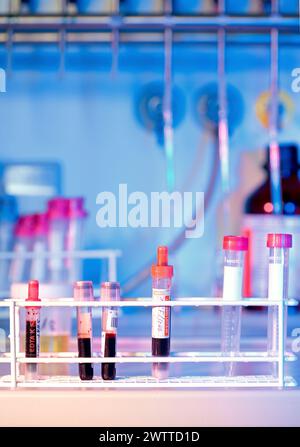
x=32, y=332
x=161, y=315
x=111, y=320
x=275, y=285
x=233, y=283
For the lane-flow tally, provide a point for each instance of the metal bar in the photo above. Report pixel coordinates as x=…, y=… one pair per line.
x=218, y=358
x=281, y=343
x=12, y=341
x=17, y=337
x=167, y=109
x=191, y=302
x=275, y=173
x=156, y=23
x=115, y=39
x=223, y=138
x=86, y=254
x=112, y=268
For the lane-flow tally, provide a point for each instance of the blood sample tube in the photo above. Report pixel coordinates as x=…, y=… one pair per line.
x=162, y=274
x=110, y=291
x=83, y=291
x=279, y=245
x=234, y=250
x=32, y=335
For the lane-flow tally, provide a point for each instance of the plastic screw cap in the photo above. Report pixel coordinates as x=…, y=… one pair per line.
x=237, y=243
x=279, y=240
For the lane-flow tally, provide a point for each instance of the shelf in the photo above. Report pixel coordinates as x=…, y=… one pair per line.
x=207, y=357
x=156, y=23
x=253, y=381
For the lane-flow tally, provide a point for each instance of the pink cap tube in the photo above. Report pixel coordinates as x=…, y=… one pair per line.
x=237, y=243
x=25, y=226
x=58, y=208
x=76, y=207
x=33, y=291
x=279, y=240
x=41, y=224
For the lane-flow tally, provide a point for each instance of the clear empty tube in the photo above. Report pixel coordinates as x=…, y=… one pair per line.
x=83, y=291
x=57, y=236
x=74, y=240
x=20, y=266
x=38, y=268
x=8, y=215
x=234, y=249
x=110, y=291
x=279, y=245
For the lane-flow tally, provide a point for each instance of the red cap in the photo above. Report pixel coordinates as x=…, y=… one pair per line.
x=25, y=226
x=279, y=240
x=162, y=269
x=33, y=291
x=58, y=208
x=76, y=207
x=237, y=243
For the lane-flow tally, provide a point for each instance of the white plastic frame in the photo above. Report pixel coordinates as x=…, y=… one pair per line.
x=15, y=358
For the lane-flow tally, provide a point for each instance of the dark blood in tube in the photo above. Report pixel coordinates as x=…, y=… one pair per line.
x=110, y=291
x=83, y=291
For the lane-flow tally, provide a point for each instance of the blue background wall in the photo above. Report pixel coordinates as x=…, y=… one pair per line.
x=86, y=120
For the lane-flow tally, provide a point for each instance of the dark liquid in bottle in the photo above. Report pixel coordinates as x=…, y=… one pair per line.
x=108, y=370
x=86, y=370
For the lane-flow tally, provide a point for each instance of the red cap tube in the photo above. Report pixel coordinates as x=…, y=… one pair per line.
x=162, y=269
x=33, y=291
x=237, y=243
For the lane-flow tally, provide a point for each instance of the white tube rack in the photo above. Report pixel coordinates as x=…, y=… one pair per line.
x=15, y=358
x=110, y=256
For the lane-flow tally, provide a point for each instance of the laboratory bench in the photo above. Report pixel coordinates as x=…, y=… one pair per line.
x=164, y=406
x=174, y=408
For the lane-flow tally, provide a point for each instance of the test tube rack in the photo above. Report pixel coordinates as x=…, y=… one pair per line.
x=15, y=358
x=110, y=256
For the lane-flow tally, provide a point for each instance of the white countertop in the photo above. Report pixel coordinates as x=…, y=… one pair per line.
x=150, y=408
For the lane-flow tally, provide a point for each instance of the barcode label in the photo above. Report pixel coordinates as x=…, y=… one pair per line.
x=161, y=315
x=111, y=320
x=114, y=322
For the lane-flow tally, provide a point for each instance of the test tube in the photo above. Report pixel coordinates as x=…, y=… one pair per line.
x=40, y=247
x=162, y=274
x=8, y=215
x=83, y=291
x=279, y=245
x=110, y=291
x=20, y=266
x=32, y=334
x=74, y=238
x=57, y=235
x=234, y=249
